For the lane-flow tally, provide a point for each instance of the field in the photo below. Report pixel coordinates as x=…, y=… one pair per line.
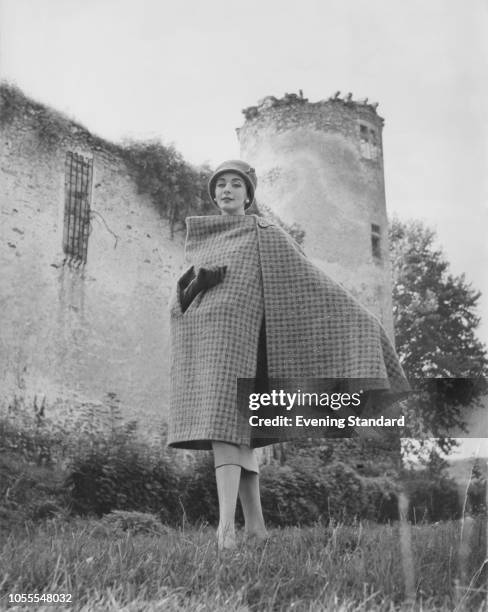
x=105, y=566
x=131, y=561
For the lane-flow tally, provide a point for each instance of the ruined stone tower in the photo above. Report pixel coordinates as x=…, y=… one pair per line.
x=320, y=165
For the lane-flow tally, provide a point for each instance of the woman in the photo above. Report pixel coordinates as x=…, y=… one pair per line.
x=251, y=306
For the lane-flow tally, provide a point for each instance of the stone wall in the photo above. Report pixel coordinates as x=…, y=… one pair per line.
x=321, y=165
x=74, y=334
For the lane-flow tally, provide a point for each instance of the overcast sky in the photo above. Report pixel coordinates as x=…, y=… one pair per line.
x=183, y=70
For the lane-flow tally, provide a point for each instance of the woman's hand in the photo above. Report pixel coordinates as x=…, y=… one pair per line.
x=209, y=277
x=206, y=278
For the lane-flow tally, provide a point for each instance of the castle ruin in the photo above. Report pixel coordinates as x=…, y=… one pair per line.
x=320, y=165
x=88, y=263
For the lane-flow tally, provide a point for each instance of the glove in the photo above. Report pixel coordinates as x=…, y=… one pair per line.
x=206, y=278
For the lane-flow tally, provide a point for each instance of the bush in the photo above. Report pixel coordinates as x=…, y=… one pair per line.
x=28, y=491
x=198, y=491
x=432, y=499
x=339, y=493
x=346, y=492
x=295, y=494
x=95, y=464
x=381, y=499
x=135, y=522
x=91, y=463
x=27, y=432
x=119, y=473
x=476, y=501
x=286, y=496
x=32, y=451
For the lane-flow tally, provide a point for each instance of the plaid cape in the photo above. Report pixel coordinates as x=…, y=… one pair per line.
x=314, y=329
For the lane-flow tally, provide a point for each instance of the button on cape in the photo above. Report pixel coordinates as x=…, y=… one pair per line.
x=314, y=329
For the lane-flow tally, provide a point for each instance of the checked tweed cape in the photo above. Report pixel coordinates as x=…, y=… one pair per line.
x=314, y=329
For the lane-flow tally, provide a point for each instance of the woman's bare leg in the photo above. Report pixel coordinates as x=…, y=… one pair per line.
x=251, y=505
x=227, y=477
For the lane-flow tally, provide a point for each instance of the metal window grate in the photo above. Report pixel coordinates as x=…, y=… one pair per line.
x=77, y=187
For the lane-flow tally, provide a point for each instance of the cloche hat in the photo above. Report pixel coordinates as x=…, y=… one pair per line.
x=243, y=169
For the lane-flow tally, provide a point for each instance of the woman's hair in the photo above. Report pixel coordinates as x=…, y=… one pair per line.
x=254, y=209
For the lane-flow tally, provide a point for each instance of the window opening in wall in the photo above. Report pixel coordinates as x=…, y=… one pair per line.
x=368, y=142
x=376, y=240
x=78, y=185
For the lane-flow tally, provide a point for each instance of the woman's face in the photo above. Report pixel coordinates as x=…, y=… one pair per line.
x=231, y=194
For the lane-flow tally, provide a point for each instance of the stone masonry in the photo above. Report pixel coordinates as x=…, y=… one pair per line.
x=69, y=332
x=320, y=165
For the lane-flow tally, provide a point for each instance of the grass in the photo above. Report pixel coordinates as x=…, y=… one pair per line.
x=340, y=567
x=130, y=561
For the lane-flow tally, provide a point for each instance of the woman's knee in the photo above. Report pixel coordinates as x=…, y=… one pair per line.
x=234, y=454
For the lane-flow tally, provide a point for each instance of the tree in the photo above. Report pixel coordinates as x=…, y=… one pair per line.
x=435, y=330
x=477, y=488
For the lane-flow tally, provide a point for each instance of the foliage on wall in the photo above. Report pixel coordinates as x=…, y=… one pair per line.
x=177, y=188
x=50, y=126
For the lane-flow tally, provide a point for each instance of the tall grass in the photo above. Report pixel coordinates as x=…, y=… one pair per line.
x=129, y=560
x=337, y=567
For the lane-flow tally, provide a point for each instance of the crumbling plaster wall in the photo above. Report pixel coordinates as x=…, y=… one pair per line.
x=77, y=334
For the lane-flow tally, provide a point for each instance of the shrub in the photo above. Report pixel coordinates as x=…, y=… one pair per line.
x=118, y=472
x=477, y=497
x=286, y=498
x=96, y=464
x=381, y=499
x=346, y=496
x=32, y=450
x=26, y=431
x=338, y=492
x=476, y=502
x=198, y=491
x=136, y=522
x=89, y=463
x=432, y=499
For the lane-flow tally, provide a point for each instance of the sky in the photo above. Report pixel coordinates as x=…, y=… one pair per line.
x=183, y=70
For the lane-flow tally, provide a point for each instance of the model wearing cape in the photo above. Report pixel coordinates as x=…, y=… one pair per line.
x=314, y=328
